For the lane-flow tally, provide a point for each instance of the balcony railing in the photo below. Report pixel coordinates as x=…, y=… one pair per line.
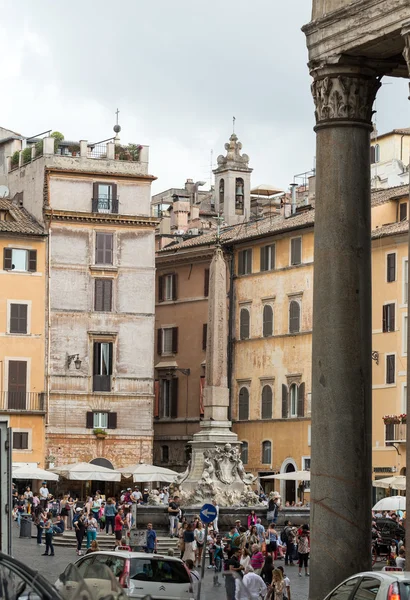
x=105, y=205
x=102, y=383
x=395, y=433
x=22, y=402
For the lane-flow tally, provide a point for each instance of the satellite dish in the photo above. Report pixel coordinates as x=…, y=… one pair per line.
x=4, y=191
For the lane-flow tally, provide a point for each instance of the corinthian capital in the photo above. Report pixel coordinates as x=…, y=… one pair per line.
x=342, y=94
x=405, y=32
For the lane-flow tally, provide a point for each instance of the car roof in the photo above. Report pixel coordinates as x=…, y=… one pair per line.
x=395, y=575
x=129, y=554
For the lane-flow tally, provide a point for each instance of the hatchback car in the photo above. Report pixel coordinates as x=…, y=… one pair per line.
x=140, y=574
x=373, y=585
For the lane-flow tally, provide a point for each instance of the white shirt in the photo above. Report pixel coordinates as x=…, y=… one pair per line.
x=43, y=493
x=254, y=587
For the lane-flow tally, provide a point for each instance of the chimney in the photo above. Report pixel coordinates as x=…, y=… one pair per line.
x=293, y=187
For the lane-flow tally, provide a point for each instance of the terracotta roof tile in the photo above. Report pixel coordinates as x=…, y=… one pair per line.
x=385, y=195
x=21, y=220
x=390, y=229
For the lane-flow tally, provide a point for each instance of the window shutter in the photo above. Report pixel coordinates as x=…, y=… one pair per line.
x=89, y=420
x=390, y=368
x=384, y=317
x=244, y=319
x=267, y=402
x=272, y=256
x=174, y=340
x=175, y=286
x=99, y=294
x=392, y=320
x=114, y=199
x=204, y=335
x=241, y=263
x=156, y=399
x=112, y=420
x=403, y=211
x=263, y=258
x=110, y=354
x=301, y=400
x=285, y=408
x=174, y=398
x=99, y=248
x=32, y=261
x=18, y=318
x=267, y=320
x=95, y=190
x=206, y=283
x=159, y=341
x=94, y=200
x=391, y=267
x=243, y=412
x=7, y=259
x=296, y=251
x=107, y=295
x=294, y=317
x=96, y=358
x=160, y=288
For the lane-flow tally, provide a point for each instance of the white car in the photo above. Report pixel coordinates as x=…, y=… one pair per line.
x=139, y=574
x=373, y=585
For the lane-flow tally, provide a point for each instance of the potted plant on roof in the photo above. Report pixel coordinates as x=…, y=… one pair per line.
x=51, y=460
x=74, y=149
x=58, y=137
x=99, y=433
x=15, y=159
x=391, y=419
x=26, y=155
x=403, y=418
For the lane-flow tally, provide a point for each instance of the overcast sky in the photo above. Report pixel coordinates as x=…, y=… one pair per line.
x=178, y=71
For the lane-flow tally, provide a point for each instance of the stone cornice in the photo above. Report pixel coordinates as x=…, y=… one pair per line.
x=104, y=218
x=98, y=175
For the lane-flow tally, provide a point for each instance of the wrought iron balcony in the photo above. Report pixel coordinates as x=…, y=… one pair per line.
x=22, y=402
x=105, y=205
x=395, y=433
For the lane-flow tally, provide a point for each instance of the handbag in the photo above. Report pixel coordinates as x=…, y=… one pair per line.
x=270, y=515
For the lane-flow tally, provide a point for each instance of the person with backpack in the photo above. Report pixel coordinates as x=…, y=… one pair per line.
x=288, y=538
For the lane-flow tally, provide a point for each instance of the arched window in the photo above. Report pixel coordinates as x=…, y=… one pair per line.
x=239, y=196
x=266, y=402
x=221, y=194
x=372, y=155
x=243, y=413
x=267, y=320
x=294, y=317
x=266, y=453
x=244, y=324
x=293, y=397
x=377, y=153
x=244, y=453
x=164, y=454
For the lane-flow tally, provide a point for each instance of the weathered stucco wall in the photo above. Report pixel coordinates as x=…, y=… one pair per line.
x=323, y=7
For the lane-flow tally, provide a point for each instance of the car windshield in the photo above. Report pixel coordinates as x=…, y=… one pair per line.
x=405, y=590
x=158, y=570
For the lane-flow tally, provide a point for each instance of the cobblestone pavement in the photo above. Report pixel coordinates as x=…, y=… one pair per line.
x=27, y=551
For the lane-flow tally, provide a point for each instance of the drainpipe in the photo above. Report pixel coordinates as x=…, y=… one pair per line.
x=48, y=321
x=230, y=327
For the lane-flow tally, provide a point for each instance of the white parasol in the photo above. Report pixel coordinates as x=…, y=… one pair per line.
x=87, y=472
x=391, y=503
x=142, y=473
x=27, y=472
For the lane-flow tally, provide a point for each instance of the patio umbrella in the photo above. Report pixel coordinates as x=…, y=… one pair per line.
x=391, y=503
x=87, y=472
x=266, y=189
x=292, y=476
x=142, y=473
x=27, y=472
x=398, y=482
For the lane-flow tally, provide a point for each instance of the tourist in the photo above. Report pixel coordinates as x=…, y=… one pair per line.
x=199, y=535
x=145, y=496
x=64, y=509
x=194, y=575
x=245, y=559
x=101, y=516
x=59, y=525
x=21, y=508
x=267, y=570
x=39, y=518
x=109, y=512
x=118, y=526
x=230, y=538
x=278, y=584
x=252, y=519
x=251, y=587
x=189, y=539
x=181, y=543
x=261, y=532
x=36, y=500
x=210, y=545
x=217, y=558
x=233, y=565
x=401, y=559
x=173, y=512
x=303, y=543
x=92, y=524
x=136, y=495
x=257, y=559
x=151, y=545
x=48, y=529
x=94, y=547
x=43, y=491
x=195, y=521
x=272, y=540
x=215, y=521
x=166, y=496
x=28, y=497
x=287, y=583
x=253, y=537
x=79, y=528
x=95, y=507
x=288, y=538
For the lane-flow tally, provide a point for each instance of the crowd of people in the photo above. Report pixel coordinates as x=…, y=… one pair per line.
x=388, y=536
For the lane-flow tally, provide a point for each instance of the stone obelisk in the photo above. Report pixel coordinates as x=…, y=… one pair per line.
x=215, y=469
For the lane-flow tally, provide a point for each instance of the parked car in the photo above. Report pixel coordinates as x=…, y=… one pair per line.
x=19, y=581
x=138, y=574
x=373, y=585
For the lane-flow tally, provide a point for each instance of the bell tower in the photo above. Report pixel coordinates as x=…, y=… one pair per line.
x=233, y=183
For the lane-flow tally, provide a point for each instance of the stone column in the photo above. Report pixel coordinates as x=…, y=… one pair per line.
x=406, y=54
x=341, y=352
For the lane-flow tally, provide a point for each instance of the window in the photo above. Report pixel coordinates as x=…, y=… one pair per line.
x=221, y=195
x=103, y=295
x=18, y=318
x=268, y=258
x=244, y=324
x=102, y=366
x=239, y=196
x=167, y=341
x=243, y=413
x=377, y=153
x=406, y=281
x=245, y=262
x=17, y=385
x=372, y=155
x=158, y=571
x=390, y=368
x=389, y=320
x=206, y=283
x=16, y=259
x=391, y=267
x=285, y=405
x=168, y=405
x=105, y=198
x=403, y=211
x=266, y=402
x=244, y=453
x=293, y=394
x=306, y=467
x=103, y=248
x=267, y=320
x=344, y=591
x=20, y=440
x=266, y=453
x=167, y=287
x=294, y=316
x=101, y=420
x=164, y=454
x=296, y=251
x=204, y=335
x=405, y=321
x=368, y=588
